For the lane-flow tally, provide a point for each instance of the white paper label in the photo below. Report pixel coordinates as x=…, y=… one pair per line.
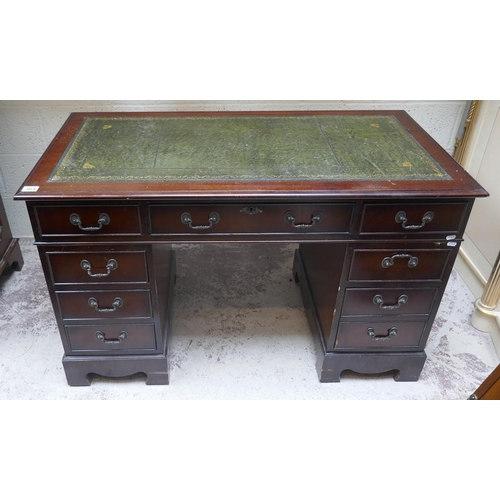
x=452, y=243
x=30, y=189
x=451, y=237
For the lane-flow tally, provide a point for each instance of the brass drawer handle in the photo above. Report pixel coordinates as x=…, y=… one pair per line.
x=401, y=219
x=379, y=301
x=317, y=217
x=391, y=333
x=213, y=219
x=389, y=261
x=103, y=220
x=110, y=266
x=101, y=336
x=93, y=302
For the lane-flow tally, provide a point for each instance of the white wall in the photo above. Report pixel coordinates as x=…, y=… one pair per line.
x=27, y=127
x=481, y=161
x=482, y=238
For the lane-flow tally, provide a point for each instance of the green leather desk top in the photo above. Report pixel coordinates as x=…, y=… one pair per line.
x=244, y=148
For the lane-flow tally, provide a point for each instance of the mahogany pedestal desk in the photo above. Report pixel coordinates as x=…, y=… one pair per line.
x=377, y=207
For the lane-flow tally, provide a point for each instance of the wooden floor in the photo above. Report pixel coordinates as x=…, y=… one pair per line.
x=490, y=388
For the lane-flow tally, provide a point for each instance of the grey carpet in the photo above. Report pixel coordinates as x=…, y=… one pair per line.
x=239, y=332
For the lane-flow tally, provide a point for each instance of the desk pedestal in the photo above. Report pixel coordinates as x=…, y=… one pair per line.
x=113, y=329
x=365, y=321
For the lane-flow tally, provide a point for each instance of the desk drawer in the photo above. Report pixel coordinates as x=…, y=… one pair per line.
x=412, y=218
x=97, y=304
x=376, y=336
x=100, y=339
x=388, y=301
x=87, y=220
x=398, y=265
x=98, y=267
x=258, y=218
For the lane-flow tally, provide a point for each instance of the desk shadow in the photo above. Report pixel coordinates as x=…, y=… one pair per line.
x=245, y=276
x=238, y=304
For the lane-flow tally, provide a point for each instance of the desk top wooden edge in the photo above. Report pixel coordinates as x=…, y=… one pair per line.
x=460, y=184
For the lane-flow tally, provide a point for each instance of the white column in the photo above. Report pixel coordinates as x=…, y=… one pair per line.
x=486, y=316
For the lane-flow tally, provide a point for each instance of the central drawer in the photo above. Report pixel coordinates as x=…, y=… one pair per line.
x=253, y=218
